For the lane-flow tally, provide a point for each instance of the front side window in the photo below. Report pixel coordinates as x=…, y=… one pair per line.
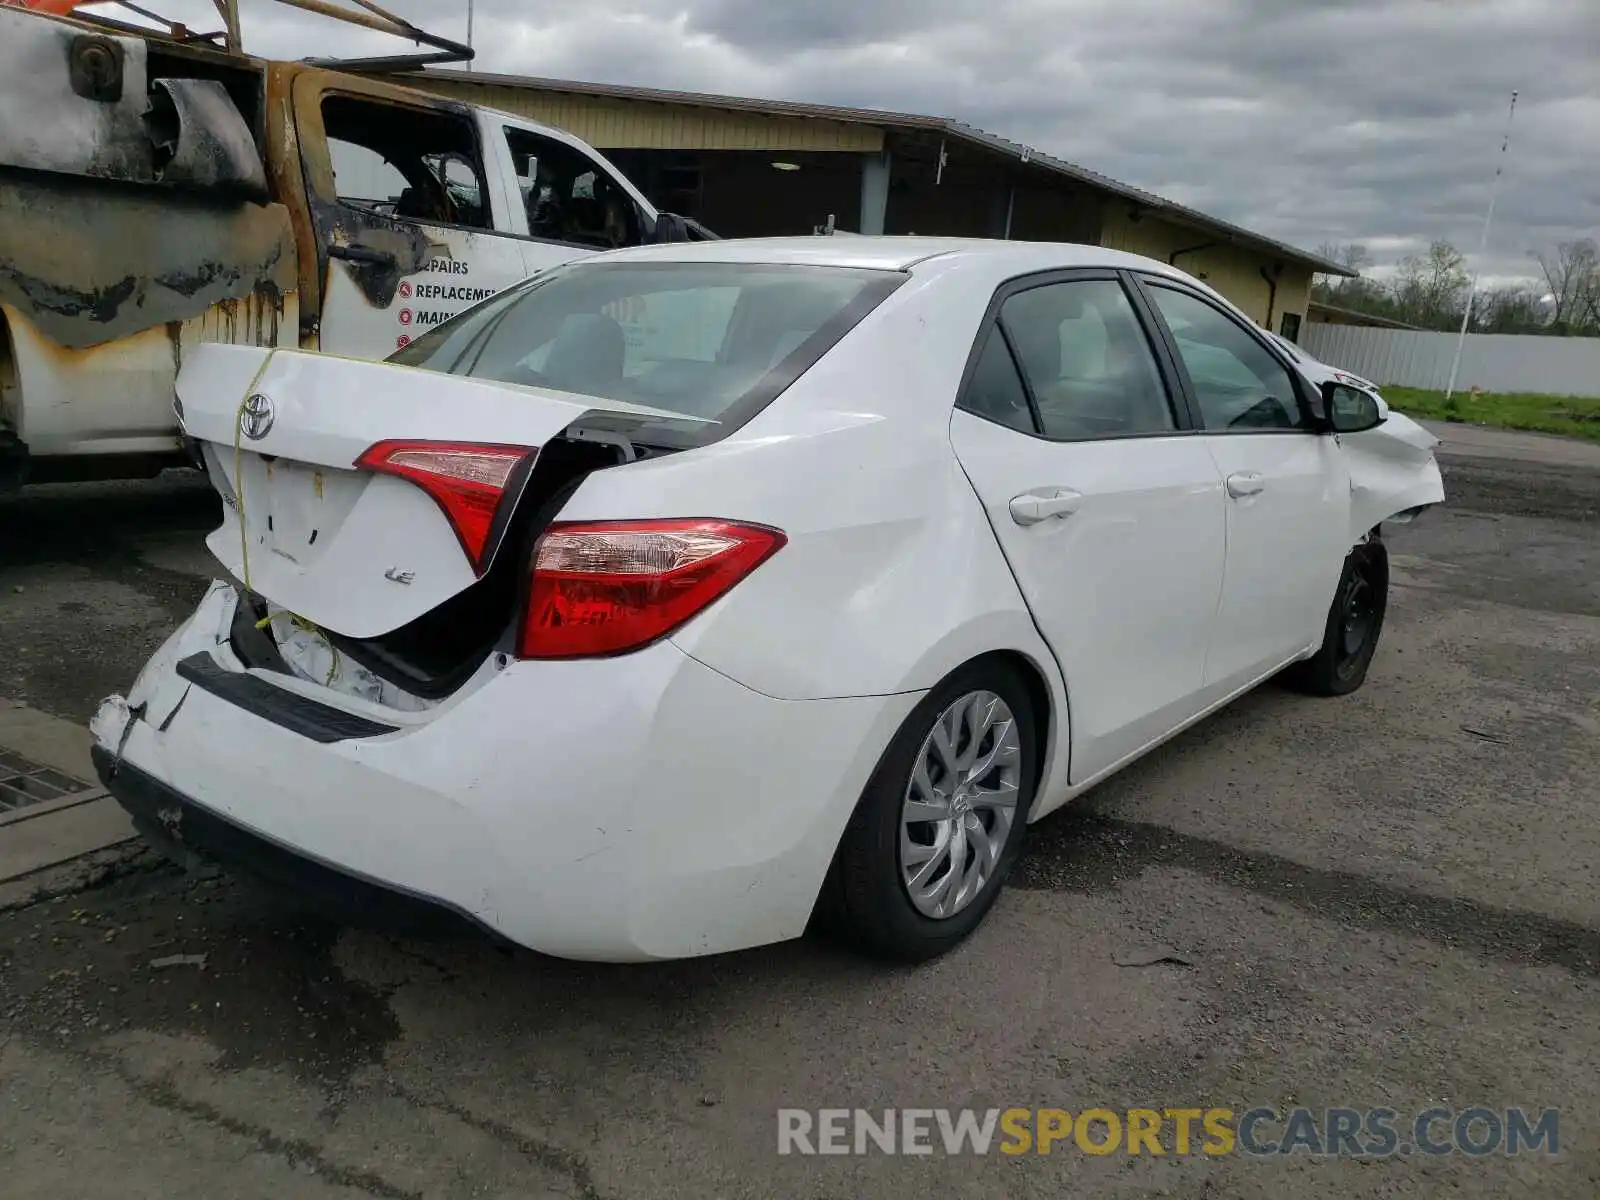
x=1238, y=384
x=409, y=164
x=691, y=338
x=1087, y=360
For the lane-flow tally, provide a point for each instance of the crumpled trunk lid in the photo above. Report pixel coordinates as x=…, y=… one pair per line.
x=354, y=552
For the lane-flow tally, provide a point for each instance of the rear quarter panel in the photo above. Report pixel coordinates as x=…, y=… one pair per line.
x=891, y=577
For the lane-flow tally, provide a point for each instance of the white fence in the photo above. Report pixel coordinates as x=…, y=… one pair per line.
x=1494, y=362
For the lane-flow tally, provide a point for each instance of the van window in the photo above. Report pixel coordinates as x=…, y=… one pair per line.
x=410, y=164
x=568, y=197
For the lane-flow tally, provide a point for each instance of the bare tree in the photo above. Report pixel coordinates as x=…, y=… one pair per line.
x=1572, y=273
x=1337, y=289
x=1430, y=288
x=1514, y=308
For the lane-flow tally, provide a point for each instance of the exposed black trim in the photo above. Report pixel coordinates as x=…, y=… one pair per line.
x=1165, y=354
x=490, y=605
x=289, y=710
x=1185, y=410
x=184, y=830
x=1028, y=394
x=253, y=644
x=511, y=496
x=806, y=355
x=1184, y=420
x=1144, y=282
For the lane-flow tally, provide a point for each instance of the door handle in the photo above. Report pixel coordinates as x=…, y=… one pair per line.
x=1245, y=483
x=365, y=255
x=1043, y=503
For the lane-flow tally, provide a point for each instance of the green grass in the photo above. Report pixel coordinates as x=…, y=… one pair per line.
x=1574, y=416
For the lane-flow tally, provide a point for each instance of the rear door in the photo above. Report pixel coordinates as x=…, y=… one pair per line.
x=1287, y=486
x=412, y=224
x=1108, y=508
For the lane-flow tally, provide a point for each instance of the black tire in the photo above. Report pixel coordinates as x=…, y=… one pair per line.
x=865, y=901
x=1355, y=623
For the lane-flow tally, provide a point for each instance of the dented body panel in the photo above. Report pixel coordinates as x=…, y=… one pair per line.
x=1392, y=469
x=74, y=101
x=86, y=264
x=115, y=398
x=135, y=223
x=1393, y=473
x=156, y=195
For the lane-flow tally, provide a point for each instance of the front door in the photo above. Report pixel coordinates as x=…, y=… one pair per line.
x=409, y=223
x=1109, y=512
x=1287, y=487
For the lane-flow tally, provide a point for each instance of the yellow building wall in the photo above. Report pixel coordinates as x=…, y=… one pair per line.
x=613, y=124
x=1235, y=271
x=1294, y=293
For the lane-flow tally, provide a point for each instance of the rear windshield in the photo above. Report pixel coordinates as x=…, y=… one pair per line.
x=714, y=341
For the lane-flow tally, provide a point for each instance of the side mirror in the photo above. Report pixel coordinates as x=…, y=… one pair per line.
x=1349, y=409
x=669, y=227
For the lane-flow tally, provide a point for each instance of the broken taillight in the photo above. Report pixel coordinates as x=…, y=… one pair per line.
x=468, y=481
x=607, y=587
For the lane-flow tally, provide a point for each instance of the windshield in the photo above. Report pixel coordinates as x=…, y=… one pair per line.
x=715, y=341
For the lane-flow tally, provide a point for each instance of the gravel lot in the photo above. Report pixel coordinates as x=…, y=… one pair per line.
x=1385, y=900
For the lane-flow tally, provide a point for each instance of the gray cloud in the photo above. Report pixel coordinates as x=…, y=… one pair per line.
x=1325, y=120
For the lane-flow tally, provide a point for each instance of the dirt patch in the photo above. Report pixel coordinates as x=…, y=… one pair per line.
x=198, y=955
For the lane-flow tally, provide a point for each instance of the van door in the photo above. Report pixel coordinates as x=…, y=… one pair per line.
x=411, y=227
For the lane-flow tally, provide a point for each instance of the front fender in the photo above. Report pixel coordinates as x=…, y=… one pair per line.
x=1392, y=470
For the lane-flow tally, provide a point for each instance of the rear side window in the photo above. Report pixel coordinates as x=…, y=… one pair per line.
x=716, y=341
x=995, y=390
x=1085, y=361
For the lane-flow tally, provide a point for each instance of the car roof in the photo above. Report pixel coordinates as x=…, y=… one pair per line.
x=897, y=253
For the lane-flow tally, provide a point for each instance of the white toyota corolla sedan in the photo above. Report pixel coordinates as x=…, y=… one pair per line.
x=681, y=595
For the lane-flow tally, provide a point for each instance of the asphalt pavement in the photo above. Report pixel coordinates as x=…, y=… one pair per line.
x=1385, y=900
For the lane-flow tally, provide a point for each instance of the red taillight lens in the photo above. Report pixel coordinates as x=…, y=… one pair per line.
x=466, y=480
x=609, y=586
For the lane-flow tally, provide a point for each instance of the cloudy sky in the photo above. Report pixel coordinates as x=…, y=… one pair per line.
x=1373, y=121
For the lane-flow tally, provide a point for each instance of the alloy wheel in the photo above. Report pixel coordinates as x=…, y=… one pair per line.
x=960, y=803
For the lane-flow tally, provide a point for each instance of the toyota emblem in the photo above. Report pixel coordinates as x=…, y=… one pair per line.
x=256, y=416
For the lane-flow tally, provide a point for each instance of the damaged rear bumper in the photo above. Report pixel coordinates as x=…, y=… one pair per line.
x=184, y=831
x=618, y=809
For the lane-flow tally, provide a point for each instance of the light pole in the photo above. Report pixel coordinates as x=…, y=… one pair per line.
x=469, y=23
x=1483, y=242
